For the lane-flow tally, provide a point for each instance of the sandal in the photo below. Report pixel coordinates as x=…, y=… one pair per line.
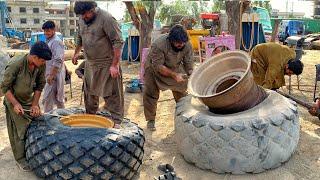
x=166, y=168
x=151, y=125
x=24, y=166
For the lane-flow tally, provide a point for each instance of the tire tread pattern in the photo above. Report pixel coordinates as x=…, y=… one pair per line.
x=246, y=144
x=55, y=151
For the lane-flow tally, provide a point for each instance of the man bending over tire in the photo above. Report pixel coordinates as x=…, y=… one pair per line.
x=271, y=61
x=169, y=62
x=23, y=81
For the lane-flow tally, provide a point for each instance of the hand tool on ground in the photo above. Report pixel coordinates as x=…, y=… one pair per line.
x=298, y=101
x=55, y=115
x=168, y=169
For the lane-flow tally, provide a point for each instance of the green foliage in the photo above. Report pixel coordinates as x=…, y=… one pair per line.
x=186, y=8
x=218, y=6
x=127, y=17
x=177, y=7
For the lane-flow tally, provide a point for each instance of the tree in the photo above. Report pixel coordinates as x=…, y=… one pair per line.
x=178, y=7
x=142, y=14
x=185, y=8
x=233, y=12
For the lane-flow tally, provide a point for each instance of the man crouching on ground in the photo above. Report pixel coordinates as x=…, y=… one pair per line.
x=23, y=81
x=169, y=63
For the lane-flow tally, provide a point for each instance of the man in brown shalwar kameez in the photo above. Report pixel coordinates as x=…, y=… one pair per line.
x=23, y=81
x=271, y=61
x=169, y=62
x=100, y=36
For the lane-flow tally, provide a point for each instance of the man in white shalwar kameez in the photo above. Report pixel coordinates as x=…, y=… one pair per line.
x=53, y=93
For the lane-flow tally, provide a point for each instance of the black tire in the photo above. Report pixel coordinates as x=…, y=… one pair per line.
x=251, y=141
x=56, y=151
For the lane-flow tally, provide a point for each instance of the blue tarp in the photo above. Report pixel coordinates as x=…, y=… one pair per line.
x=246, y=34
x=134, y=49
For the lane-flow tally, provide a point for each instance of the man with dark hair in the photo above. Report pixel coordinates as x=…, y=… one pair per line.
x=100, y=36
x=169, y=62
x=271, y=61
x=23, y=81
x=55, y=70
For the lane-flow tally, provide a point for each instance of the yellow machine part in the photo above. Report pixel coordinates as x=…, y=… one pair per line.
x=87, y=120
x=194, y=36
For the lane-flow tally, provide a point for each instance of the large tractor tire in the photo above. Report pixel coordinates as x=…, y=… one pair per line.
x=250, y=141
x=57, y=151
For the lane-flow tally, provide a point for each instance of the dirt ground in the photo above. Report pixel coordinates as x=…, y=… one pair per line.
x=160, y=146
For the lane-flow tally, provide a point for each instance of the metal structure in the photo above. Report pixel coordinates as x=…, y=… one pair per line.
x=10, y=32
x=225, y=83
x=4, y=14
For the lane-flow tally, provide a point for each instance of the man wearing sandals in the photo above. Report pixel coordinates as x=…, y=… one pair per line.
x=53, y=92
x=23, y=81
x=169, y=62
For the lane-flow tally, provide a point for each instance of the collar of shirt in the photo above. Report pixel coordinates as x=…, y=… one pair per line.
x=53, y=37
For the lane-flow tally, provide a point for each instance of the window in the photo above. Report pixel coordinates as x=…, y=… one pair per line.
x=60, y=12
x=23, y=21
x=9, y=8
x=72, y=32
x=36, y=21
x=7, y=20
x=35, y=10
x=23, y=10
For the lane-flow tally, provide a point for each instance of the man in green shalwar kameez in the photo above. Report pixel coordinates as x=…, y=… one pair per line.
x=22, y=84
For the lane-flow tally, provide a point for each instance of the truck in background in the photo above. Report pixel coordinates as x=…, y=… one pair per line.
x=311, y=25
x=289, y=28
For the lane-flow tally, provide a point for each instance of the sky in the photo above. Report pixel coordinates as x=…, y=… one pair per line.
x=295, y=5
x=117, y=8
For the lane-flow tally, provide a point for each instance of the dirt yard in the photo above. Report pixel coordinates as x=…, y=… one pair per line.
x=160, y=146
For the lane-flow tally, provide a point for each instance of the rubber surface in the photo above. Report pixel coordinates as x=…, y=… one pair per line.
x=251, y=141
x=55, y=151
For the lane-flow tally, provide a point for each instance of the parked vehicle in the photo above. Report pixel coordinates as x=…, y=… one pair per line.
x=307, y=43
x=39, y=36
x=289, y=28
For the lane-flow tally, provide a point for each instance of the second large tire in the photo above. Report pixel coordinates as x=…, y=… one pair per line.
x=56, y=151
x=251, y=141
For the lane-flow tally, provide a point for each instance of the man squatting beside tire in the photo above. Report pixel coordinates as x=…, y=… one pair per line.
x=100, y=36
x=169, y=62
x=23, y=81
x=53, y=92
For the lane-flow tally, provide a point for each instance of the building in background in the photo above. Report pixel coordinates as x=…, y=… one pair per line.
x=26, y=14
x=277, y=14
x=31, y=14
x=61, y=12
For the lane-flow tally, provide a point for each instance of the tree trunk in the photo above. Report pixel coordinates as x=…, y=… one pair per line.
x=275, y=30
x=144, y=23
x=233, y=12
